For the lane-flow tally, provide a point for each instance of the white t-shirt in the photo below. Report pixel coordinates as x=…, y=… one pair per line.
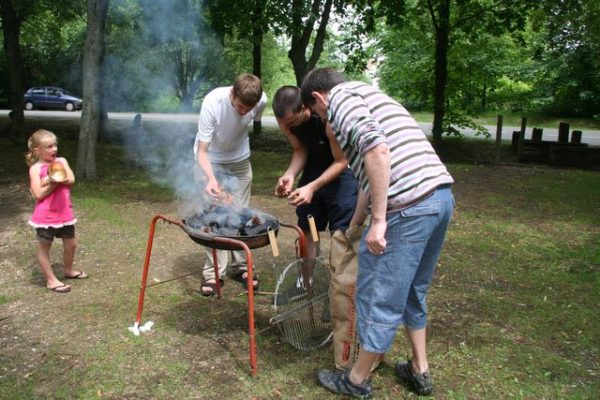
x=227, y=132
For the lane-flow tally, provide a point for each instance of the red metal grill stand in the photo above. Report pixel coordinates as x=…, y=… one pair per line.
x=238, y=244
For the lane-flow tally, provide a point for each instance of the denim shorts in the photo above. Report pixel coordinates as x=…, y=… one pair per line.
x=333, y=205
x=392, y=287
x=47, y=235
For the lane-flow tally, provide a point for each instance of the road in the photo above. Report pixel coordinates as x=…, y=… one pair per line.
x=591, y=137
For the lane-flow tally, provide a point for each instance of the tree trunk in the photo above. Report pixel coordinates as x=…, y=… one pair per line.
x=257, y=39
x=11, y=28
x=297, y=57
x=441, y=68
x=484, y=97
x=92, y=72
x=302, y=32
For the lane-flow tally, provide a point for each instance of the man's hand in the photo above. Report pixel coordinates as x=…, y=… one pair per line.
x=375, y=239
x=225, y=198
x=212, y=188
x=302, y=195
x=284, y=186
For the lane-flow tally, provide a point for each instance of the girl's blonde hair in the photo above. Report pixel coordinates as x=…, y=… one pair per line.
x=34, y=142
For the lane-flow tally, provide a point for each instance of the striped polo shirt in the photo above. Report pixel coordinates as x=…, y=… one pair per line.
x=363, y=117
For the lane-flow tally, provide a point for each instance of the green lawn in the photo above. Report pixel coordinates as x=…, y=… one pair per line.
x=513, y=306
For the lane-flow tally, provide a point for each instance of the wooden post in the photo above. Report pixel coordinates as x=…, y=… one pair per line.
x=521, y=143
x=498, y=138
x=514, y=141
x=563, y=132
x=576, y=137
x=536, y=135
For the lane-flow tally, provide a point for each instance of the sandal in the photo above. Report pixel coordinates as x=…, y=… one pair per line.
x=244, y=280
x=78, y=275
x=60, y=288
x=212, y=286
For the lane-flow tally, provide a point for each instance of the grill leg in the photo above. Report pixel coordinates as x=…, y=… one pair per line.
x=217, y=277
x=252, y=338
x=138, y=317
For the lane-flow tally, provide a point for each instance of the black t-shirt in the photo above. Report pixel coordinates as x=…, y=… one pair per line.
x=312, y=134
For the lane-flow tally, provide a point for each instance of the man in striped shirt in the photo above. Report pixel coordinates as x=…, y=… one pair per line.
x=406, y=189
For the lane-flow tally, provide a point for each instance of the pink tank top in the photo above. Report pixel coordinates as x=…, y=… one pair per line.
x=55, y=210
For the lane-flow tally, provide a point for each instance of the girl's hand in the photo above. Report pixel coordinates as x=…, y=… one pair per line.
x=46, y=181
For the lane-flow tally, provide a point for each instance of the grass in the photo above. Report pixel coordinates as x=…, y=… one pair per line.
x=513, y=306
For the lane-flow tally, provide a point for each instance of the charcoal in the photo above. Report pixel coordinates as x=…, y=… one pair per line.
x=261, y=229
x=232, y=221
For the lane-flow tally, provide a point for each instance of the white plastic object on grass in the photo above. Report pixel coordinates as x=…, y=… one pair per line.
x=136, y=329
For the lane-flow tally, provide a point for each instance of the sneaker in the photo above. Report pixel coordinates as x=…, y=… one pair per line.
x=338, y=381
x=421, y=383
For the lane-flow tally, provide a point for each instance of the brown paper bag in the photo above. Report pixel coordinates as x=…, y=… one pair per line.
x=342, y=288
x=344, y=268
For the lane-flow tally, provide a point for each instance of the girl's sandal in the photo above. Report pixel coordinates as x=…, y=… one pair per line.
x=60, y=289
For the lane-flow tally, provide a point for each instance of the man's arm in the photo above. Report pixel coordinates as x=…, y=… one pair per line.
x=297, y=163
x=377, y=164
x=212, y=186
x=304, y=194
x=360, y=211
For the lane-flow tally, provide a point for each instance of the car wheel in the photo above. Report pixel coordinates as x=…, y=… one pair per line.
x=69, y=106
x=28, y=105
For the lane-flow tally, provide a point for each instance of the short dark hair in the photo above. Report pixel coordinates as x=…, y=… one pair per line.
x=287, y=99
x=319, y=80
x=248, y=89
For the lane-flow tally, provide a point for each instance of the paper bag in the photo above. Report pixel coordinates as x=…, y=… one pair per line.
x=342, y=288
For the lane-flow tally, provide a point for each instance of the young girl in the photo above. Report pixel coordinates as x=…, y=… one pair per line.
x=53, y=213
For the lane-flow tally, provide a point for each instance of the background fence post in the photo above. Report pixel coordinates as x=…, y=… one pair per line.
x=563, y=132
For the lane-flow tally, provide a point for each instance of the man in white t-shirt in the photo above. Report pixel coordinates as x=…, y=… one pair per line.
x=222, y=145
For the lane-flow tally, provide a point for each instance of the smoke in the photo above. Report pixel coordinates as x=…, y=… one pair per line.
x=161, y=54
x=165, y=150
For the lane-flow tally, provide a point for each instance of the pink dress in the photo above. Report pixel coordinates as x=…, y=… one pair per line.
x=55, y=210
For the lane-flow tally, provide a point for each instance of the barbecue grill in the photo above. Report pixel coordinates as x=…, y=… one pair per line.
x=244, y=224
x=256, y=234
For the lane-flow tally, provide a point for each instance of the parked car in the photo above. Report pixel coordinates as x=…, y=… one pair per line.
x=51, y=97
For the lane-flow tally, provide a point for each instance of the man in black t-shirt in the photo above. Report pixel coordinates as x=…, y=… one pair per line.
x=327, y=189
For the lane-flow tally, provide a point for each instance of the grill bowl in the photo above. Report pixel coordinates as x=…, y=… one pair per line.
x=198, y=235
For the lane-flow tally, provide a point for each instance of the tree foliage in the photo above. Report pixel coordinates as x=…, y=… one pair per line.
x=164, y=55
x=570, y=56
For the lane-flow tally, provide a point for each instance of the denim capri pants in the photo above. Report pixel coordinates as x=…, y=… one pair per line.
x=392, y=287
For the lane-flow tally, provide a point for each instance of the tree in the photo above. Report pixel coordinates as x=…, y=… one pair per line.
x=92, y=77
x=299, y=19
x=246, y=19
x=448, y=18
x=570, y=56
x=13, y=16
x=16, y=19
